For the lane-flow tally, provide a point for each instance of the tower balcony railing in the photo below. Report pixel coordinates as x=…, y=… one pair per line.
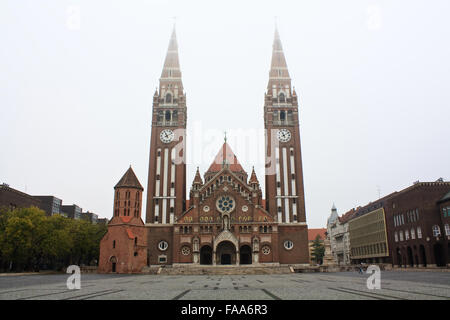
x=283, y=122
x=167, y=123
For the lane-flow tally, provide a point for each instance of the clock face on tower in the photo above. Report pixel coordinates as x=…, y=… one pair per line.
x=284, y=135
x=166, y=135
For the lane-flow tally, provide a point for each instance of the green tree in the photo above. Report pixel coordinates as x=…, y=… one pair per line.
x=318, y=250
x=29, y=240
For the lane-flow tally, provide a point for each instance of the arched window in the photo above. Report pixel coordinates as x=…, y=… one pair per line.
x=167, y=115
x=281, y=97
x=168, y=98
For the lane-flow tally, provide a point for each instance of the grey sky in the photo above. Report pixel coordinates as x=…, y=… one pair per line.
x=372, y=77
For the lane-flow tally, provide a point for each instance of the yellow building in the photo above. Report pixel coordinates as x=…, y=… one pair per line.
x=368, y=237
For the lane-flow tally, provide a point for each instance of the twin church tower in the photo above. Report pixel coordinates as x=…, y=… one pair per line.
x=225, y=220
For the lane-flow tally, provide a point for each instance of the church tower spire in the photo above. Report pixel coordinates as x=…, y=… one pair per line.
x=171, y=73
x=166, y=191
x=284, y=174
x=279, y=79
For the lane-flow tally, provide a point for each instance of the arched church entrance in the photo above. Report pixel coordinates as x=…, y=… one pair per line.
x=245, y=255
x=113, y=261
x=206, y=255
x=226, y=253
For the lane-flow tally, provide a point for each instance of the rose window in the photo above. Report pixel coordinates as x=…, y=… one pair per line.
x=225, y=204
x=185, y=251
x=265, y=250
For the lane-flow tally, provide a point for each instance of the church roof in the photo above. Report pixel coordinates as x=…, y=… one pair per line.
x=253, y=178
x=225, y=155
x=129, y=180
x=198, y=178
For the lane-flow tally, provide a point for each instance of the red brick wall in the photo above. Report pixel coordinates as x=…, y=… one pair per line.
x=300, y=252
x=124, y=249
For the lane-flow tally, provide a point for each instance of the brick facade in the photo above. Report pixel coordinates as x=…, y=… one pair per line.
x=226, y=220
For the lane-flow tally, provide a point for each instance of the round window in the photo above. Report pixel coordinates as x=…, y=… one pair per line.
x=163, y=245
x=288, y=244
x=185, y=250
x=206, y=208
x=225, y=203
x=265, y=250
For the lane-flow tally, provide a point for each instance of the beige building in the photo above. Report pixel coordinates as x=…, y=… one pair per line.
x=337, y=229
x=368, y=236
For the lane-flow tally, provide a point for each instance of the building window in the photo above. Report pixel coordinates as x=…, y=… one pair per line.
x=168, y=98
x=282, y=97
x=413, y=233
x=114, y=244
x=163, y=245
x=401, y=235
x=406, y=235
x=396, y=236
x=419, y=233
x=135, y=253
x=265, y=250
x=288, y=244
x=447, y=229
x=436, y=231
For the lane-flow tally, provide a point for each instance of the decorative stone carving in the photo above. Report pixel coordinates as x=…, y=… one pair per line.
x=225, y=235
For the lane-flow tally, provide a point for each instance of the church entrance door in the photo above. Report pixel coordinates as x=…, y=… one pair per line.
x=226, y=253
x=206, y=255
x=245, y=255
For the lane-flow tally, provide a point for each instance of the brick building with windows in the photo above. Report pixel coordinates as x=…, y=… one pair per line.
x=416, y=225
x=226, y=220
x=11, y=198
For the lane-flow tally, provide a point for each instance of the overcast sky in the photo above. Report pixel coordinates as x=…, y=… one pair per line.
x=77, y=80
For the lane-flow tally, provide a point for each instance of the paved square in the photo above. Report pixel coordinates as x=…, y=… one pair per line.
x=395, y=285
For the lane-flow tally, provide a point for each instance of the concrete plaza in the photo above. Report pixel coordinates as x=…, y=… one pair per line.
x=395, y=285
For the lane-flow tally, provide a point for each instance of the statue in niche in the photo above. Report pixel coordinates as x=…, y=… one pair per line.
x=226, y=223
x=255, y=244
x=195, y=244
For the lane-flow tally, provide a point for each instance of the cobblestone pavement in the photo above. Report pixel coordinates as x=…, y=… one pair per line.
x=395, y=285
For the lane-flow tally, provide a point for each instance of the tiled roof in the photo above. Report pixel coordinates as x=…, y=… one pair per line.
x=129, y=180
x=198, y=178
x=312, y=234
x=347, y=216
x=253, y=178
x=225, y=155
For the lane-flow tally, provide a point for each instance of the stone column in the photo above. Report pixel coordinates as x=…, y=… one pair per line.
x=214, y=258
